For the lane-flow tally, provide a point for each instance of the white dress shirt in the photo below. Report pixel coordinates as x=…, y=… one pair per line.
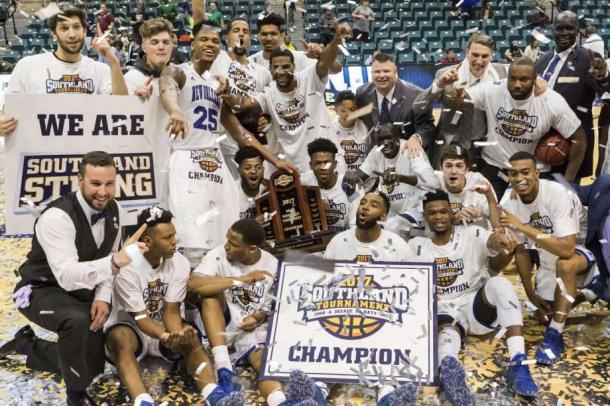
x=56, y=234
x=389, y=96
x=563, y=55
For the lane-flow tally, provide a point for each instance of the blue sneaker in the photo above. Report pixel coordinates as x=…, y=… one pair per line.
x=550, y=349
x=147, y=403
x=301, y=387
x=405, y=395
x=519, y=377
x=218, y=397
x=225, y=380
x=453, y=381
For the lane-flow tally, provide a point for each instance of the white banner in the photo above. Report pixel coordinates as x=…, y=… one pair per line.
x=363, y=323
x=55, y=131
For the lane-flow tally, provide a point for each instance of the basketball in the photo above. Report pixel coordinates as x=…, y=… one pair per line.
x=552, y=149
x=351, y=327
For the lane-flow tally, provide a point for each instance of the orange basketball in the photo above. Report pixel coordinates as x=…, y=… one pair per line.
x=552, y=149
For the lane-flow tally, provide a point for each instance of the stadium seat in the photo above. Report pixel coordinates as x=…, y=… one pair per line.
x=353, y=60
x=405, y=57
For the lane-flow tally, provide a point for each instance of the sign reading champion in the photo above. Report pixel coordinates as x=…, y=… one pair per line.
x=364, y=322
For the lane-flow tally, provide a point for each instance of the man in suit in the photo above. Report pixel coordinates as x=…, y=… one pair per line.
x=576, y=73
x=598, y=225
x=393, y=102
x=456, y=127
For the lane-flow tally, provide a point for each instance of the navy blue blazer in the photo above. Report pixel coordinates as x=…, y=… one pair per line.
x=596, y=197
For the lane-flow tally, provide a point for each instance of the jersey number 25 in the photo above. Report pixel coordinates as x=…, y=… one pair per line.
x=208, y=120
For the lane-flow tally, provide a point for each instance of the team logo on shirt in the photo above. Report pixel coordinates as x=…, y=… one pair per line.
x=334, y=211
x=244, y=84
x=248, y=297
x=542, y=223
x=70, y=84
x=153, y=297
x=290, y=112
x=456, y=207
x=363, y=258
x=209, y=159
x=515, y=123
x=447, y=271
x=353, y=151
x=353, y=309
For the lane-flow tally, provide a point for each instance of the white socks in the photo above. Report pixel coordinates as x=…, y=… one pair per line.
x=144, y=397
x=276, y=398
x=449, y=342
x=221, y=357
x=516, y=345
x=207, y=389
x=557, y=325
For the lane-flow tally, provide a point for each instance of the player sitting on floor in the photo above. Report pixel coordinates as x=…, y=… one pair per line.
x=234, y=282
x=146, y=315
x=549, y=215
x=469, y=301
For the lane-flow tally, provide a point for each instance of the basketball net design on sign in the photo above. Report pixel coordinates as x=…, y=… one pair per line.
x=363, y=323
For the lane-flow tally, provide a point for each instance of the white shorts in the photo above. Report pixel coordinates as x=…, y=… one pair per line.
x=147, y=346
x=546, y=279
x=199, y=182
x=245, y=342
x=461, y=311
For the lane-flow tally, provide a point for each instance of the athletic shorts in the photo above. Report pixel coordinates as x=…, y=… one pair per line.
x=546, y=279
x=468, y=313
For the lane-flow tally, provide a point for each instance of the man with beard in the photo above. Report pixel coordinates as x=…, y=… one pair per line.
x=143, y=80
x=271, y=31
x=547, y=216
x=579, y=75
x=66, y=280
x=198, y=172
x=369, y=241
x=469, y=301
x=322, y=162
x=295, y=101
x=66, y=70
x=251, y=183
x=401, y=178
x=517, y=119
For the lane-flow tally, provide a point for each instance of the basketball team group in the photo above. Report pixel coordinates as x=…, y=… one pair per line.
x=494, y=181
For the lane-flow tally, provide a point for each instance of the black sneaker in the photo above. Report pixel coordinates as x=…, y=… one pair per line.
x=24, y=336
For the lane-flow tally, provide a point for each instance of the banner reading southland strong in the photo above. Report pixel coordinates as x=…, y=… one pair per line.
x=55, y=131
x=363, y=323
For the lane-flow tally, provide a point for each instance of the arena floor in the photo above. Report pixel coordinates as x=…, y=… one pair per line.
x=581, y=378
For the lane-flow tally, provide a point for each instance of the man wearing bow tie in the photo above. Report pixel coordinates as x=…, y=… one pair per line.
x=66, y=280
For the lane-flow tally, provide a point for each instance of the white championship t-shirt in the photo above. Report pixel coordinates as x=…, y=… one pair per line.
x=145, y=288
x=556, y=210
x=354, y=143
x=389, y=247
x=336, y=203
x=517, y=125
x=247, y=204
x=301, y=61
x=466, y=198
x=402, y=196
x=242, y=300
x=45, y=74
x=461, y=264
x=299, y=116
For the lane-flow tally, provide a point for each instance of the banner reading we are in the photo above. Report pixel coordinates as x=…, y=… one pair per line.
x=55, y=131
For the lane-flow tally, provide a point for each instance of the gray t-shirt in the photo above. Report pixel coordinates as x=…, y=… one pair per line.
x=363, y=25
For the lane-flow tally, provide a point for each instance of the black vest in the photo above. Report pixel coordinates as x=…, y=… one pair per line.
x=36, y=271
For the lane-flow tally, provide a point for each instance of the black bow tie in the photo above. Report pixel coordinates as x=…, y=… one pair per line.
x=98, y=216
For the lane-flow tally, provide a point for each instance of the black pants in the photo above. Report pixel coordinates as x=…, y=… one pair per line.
x=79, y=353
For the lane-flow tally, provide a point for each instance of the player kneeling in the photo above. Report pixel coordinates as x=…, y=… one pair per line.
x=469, y=301
x=234, y=281
x=146, y=316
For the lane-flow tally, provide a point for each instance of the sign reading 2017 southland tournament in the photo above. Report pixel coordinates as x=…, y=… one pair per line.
x=362, y=323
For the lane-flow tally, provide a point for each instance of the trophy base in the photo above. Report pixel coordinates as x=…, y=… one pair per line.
x=313, y=242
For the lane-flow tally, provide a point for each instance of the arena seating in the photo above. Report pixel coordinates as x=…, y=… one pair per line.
x=412, y=31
